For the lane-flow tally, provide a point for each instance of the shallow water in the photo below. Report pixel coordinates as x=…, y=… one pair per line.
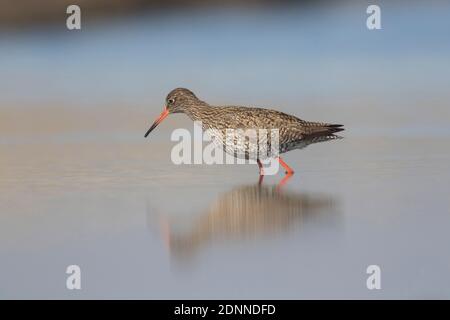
x=140, y=227
x=80, y=185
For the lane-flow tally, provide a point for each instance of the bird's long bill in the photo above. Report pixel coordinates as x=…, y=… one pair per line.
x=161, y=117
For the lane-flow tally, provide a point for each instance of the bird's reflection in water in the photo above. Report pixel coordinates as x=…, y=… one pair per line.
x=245, y=213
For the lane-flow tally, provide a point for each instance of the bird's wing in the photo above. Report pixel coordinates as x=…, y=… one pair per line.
x=257, y=118
x=290, y=127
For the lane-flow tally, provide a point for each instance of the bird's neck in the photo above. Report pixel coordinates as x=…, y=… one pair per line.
x=197, y=111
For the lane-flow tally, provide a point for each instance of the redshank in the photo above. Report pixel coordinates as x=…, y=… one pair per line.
x=294, y=133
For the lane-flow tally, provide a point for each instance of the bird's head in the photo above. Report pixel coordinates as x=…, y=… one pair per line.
x=177, y=101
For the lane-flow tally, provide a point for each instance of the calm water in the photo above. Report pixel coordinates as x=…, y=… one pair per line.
x=80, y=185
x=141, y=227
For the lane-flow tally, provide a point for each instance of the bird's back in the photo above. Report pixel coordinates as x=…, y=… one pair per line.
x=238, y=117
x=294, y=132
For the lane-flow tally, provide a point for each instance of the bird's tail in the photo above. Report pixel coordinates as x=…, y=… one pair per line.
x=323, y=129
x=333, y=128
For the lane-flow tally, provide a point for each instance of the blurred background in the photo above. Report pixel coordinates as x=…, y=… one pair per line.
x=80, y=185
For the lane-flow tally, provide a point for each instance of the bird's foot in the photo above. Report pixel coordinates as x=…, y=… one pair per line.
x=287, y=169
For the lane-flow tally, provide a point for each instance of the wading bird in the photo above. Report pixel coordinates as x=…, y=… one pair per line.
x=293, y=133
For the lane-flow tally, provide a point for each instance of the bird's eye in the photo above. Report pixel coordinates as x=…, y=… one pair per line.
x=170, y=101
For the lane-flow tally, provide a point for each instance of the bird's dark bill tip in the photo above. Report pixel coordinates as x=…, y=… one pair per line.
x=148, y=132
x=161, y=117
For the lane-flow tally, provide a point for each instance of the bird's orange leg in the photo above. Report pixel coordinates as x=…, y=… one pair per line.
x=261, y=171
x=288, y=171
x=261, y=168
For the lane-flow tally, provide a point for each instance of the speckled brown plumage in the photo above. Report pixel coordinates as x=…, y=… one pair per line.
x=294, y=133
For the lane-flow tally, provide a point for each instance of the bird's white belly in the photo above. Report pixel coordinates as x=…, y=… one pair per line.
x=242, y=145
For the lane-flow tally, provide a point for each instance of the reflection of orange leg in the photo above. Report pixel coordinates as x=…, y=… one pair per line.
x=165, y=231
x=261, y=168
x=284, y=180
x=289, y=171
